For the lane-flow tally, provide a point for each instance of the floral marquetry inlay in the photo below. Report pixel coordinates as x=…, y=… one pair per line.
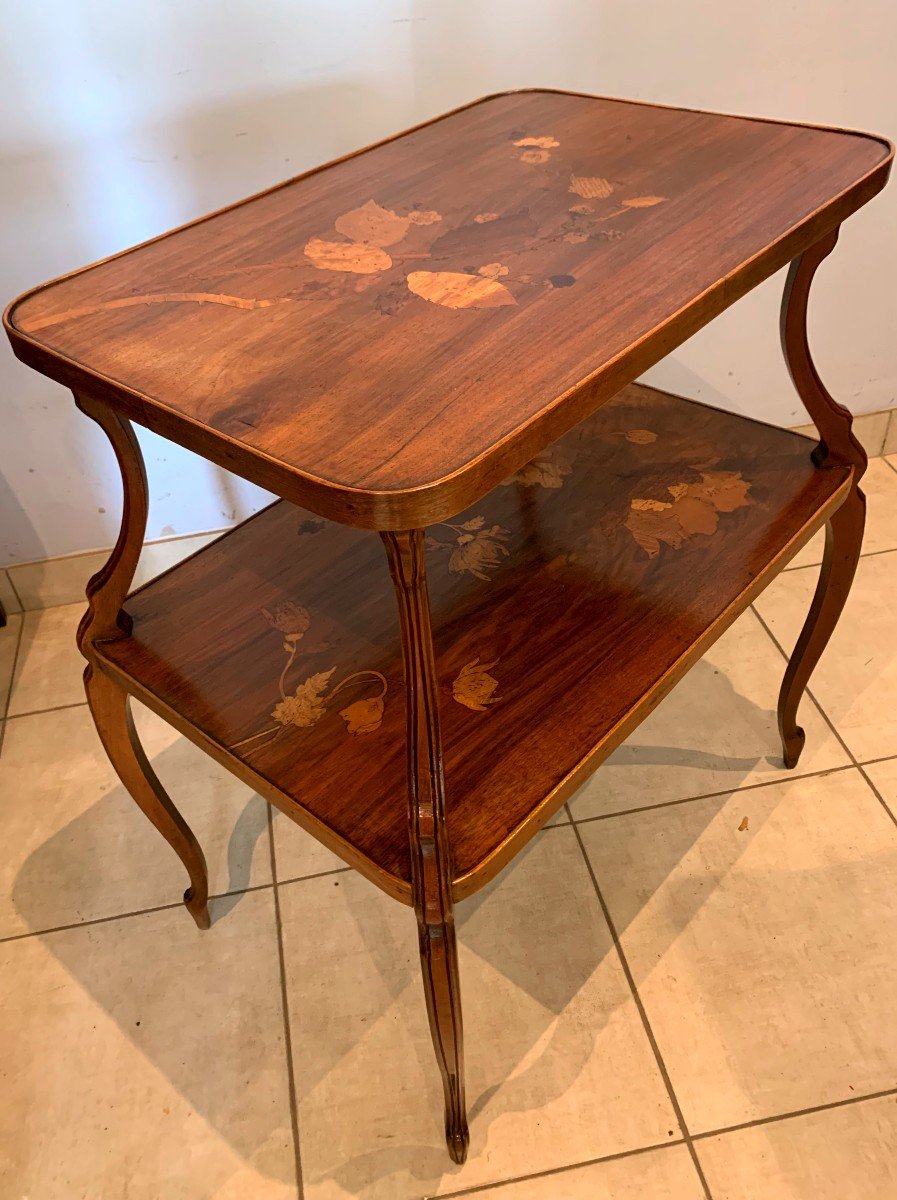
x=694, y=509
x=451, y=259
x=452, y=289
x=590, y=188
x=474, y=687
x=548, y=470
x=475, y=550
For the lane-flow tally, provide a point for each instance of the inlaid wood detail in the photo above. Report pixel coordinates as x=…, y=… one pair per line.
x=588, y=630
x=443, y=299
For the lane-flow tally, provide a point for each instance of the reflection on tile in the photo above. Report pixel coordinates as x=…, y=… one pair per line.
x=716, y=730
x=856, y=679
x=49, y=668
x=298, y=853
x=880, y=486
x=847, y=1153
x=9, y=640
x=667, y=1174
x=558, y=1066
x=77, y=847
x=57, y=581
x=147, y=1061
x=762, y=933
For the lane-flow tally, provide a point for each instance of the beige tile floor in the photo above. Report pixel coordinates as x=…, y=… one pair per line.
x=662, y=1002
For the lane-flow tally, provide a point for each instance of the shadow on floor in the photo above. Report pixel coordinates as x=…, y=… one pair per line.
x=574, y=941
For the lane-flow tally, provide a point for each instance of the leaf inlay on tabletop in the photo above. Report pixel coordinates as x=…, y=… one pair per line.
x=590, y=187
x=347, y=256
x=542, y=143
x=373, y=225
x=454, y=289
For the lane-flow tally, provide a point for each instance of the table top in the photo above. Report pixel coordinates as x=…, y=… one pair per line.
x=386, y=338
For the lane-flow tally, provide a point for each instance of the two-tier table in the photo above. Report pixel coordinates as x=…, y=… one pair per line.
x=435, y=340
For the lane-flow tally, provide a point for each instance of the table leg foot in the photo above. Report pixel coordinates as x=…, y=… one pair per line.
x=111, y=712
x=843, y=542
x=442, y=989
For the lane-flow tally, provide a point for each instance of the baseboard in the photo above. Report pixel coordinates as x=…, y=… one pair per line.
x=52, y=581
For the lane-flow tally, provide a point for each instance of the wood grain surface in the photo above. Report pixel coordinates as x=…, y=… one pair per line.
x=564, y=606
x=385, y=338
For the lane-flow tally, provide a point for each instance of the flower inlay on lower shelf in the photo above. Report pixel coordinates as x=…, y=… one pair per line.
x=694, y=509
x=308, y=703
x=475, y=687
x=476, y=550
x=547, y=470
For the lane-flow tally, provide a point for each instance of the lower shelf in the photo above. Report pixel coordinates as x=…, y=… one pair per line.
x=565, y=605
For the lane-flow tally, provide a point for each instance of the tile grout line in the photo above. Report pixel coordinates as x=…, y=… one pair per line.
x=874, y=762
x=588, y=1162
x=847, y=750
x=868, y=554
x=703, y=1136
x=39, y=712
x=649, y=1032
x=797, y=1112
x=314, y=875
x=15, y=591
x=748, y=787
x=124, y=916
x=142, y=912
x=12, y=676
x=285, y=1006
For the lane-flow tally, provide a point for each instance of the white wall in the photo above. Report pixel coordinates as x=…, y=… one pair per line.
x=120, y=120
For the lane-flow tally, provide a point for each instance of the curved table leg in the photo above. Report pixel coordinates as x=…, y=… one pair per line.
x=112, y=715
x=844, y=531
x=105, y=621
x=430, y=857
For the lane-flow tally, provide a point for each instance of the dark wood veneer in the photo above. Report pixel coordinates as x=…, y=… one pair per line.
x=396, y=421
x=590, y=632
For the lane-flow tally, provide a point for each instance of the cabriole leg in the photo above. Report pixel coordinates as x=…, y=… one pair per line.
x=105, y=621
x=112, y=715
x=430, y=856
x=844, y=532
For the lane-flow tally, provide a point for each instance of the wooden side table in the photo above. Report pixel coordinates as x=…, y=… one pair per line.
x=435, y=339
